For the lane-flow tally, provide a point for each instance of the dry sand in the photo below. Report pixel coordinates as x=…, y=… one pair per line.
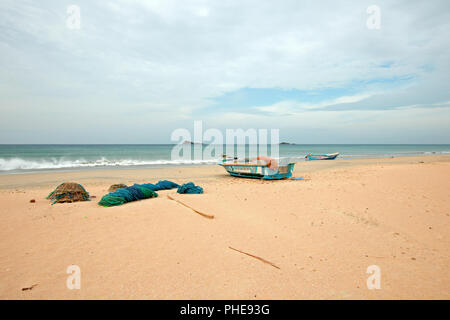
x=317, y=237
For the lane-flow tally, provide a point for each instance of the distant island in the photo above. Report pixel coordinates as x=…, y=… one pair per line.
x=286, y=143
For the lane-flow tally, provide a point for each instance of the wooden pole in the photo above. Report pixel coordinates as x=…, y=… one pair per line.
x=195, y=210
x=256, y=257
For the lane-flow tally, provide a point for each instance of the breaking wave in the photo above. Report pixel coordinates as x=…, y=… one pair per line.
x=23, y=164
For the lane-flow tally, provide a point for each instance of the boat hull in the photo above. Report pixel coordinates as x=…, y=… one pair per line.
x=258, y=171
x=322, y=156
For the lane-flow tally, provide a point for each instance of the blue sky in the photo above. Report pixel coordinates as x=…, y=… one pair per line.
x=249, y=99
x=136, y=70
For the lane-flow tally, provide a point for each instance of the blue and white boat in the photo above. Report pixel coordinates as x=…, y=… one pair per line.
x=259, y=169
x=329, y=156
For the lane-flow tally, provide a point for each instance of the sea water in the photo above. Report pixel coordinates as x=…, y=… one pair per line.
x=31, y=158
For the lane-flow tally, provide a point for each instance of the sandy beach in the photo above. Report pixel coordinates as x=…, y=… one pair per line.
x=316, y=237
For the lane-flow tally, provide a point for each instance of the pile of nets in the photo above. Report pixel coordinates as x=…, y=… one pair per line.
x=190, y=188
x=114, y=187
x=145, y=191
x=68, y=192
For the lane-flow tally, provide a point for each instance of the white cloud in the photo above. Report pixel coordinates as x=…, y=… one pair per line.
x=293, y=107
x=165, y=59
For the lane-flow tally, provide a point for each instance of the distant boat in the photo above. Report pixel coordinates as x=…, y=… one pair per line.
x=190, y=142
x=329, y=156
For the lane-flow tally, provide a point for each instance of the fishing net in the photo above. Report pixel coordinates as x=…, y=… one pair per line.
x=135, y=192
x=144, y=191
x=68, y=192
x=190, y=188
x=114, y=187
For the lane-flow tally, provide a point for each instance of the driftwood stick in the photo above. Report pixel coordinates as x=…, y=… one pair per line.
x=256, y=257
x=195, y=210
x=30, y=287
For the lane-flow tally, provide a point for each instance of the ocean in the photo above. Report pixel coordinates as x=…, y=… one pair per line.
x=37, y=158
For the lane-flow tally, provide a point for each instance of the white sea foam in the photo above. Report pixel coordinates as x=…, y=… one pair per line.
x=23, y=164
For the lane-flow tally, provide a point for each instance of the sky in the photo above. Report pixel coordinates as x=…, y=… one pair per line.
x=135, y=71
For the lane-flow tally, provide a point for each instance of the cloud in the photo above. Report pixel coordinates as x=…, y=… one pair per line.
x=160, y=64
x=293, y=107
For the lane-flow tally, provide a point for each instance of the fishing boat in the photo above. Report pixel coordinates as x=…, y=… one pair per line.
x=259, y=168
x=329, y=156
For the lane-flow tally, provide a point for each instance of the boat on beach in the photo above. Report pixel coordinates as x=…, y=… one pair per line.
x=259, y=168
x=329, y=156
